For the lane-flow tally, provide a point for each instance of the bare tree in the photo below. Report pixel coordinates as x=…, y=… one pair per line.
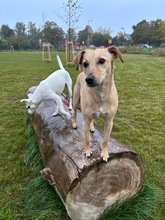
x=104, y=30
x=72, y=11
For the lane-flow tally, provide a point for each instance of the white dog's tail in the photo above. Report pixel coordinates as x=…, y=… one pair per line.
x=60, y=63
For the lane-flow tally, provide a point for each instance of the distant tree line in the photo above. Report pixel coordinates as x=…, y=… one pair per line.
x=29, y=36
x=152, y=32
x=24, y=37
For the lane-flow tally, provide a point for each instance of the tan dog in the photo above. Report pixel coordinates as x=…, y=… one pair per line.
x=96, y=92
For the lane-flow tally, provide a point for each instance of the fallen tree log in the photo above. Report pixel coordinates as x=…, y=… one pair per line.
x=86, y=186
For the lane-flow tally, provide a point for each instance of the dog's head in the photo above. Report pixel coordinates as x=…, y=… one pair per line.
x=97, y=64
x=30, y=105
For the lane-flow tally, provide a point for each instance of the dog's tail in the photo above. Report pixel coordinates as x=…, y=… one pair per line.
x=60, y=63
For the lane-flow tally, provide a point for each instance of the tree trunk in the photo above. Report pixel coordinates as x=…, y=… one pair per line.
x=87, y=186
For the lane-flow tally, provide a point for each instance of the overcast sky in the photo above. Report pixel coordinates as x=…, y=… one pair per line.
x=113, y=14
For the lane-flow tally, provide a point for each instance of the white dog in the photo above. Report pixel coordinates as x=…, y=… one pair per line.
x=51, y=89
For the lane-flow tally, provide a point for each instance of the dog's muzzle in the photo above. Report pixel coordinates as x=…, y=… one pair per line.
x=91, y=81
x=30, y=111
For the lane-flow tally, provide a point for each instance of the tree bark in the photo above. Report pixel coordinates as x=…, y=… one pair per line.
x=86, y=186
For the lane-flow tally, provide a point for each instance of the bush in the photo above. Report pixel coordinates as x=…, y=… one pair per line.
x=137, y=50
x=159, y=52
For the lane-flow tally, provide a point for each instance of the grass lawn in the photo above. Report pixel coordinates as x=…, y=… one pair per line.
x=139, y=123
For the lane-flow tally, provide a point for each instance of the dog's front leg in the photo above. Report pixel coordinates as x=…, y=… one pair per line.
x=70, y=103
x=74, y=119
x=86, y=127
x=76, y=101
x=107, y=131
x=70, y=95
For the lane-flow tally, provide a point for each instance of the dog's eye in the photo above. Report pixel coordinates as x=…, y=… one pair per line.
x=28, y=106
x=85, y=64
x=101, y=61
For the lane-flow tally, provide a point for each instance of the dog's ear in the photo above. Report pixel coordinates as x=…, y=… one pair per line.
x=29, y=95
x=26, y=100
x=78, y=60
x=116, y=52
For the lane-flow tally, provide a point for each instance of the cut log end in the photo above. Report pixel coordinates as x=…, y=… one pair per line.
x=87, y=186
x=104, y=185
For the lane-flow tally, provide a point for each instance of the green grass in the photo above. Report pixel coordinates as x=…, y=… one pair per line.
x=45, y=203
x=139, y=123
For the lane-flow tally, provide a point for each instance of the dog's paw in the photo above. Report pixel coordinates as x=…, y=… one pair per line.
x=92, y=130
x=104, y=155
x=70, y=108
x=55, y=113
x=68, y=116
x=74, y=125
x=88, y=153
x=71, y=112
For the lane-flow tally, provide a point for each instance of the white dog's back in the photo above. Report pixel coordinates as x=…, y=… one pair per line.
x=51, y=89
x=55, y=82
x=60, y=78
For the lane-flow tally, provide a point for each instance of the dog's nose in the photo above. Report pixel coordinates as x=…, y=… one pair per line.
x=90, y=79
